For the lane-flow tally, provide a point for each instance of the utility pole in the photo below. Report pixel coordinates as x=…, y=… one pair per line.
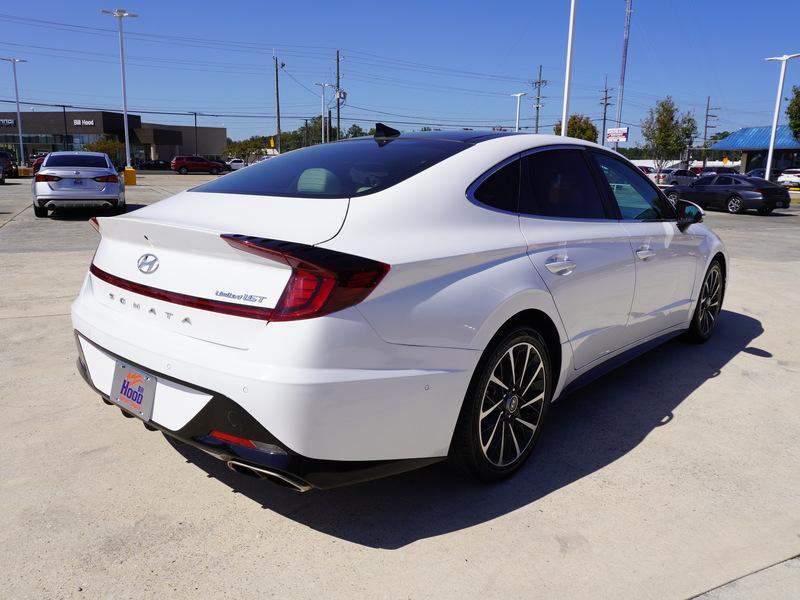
x=568, y=74
x=195, y=133
x=605, y=102
x=277, y=102
x=628, y=10
x=21, y=160
x=330, y=123
x=706, y=126
x=305, y=134
x=338, y=99
x=538, y=85
x=120, y=14
x=64, y=112
x=322, y=108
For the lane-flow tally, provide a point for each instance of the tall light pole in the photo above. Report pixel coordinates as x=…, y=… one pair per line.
x=322, y=108
x=22, y=161
x=565, y=108
x=120, y=14
x=518, y=96
x=784, y=59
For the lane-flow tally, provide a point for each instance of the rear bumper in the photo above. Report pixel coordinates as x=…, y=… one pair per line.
x=222, y=413
x=88, y=202
x=754, y=203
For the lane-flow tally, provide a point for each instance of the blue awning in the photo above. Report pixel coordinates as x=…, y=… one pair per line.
x=757, y=138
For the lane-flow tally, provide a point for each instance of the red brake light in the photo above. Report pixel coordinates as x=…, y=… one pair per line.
x=323, y=281
x=40, y=177
x=107, y=179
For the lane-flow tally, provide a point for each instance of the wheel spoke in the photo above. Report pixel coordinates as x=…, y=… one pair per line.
x=527, y=387
x=528, y=425
x=525, y=366
x=510, y=355
x=514, y=439
x=496, y=381
x=502, y=443
x=486, y=412
x=532, y=400
x=491, y=436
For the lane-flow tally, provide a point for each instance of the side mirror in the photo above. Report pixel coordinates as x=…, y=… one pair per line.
x=688, y=213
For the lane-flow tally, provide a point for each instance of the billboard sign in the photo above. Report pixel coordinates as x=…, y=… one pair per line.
x=617, y=134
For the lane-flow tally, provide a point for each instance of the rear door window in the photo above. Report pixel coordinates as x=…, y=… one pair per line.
x=724, y=181
x=559, y=183
x=337, y=170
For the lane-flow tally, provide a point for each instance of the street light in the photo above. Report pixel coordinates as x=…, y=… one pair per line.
x=565, y=108
x=14, y=62
x=120, y=14
x=784, y=59
x=322, y=112
x=518, y=95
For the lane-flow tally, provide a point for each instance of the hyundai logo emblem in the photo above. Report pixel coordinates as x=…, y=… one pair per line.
x=148, y=263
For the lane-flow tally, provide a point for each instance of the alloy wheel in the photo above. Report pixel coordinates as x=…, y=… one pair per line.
x=734, y=204
x=710, y=301
x=512, y=405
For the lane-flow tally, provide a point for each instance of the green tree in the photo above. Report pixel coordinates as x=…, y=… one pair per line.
x=355, y=131
x=666, y=132
x=114, y=148
x=793, y=111
x=579, y=126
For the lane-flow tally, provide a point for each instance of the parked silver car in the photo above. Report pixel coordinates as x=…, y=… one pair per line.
x=680, y=177
x=77, y=180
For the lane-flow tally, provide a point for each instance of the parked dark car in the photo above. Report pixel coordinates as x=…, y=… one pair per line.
x=734, y=193
x=223, y=166
x=155, y=165
x=8, y=164
x=194, y=164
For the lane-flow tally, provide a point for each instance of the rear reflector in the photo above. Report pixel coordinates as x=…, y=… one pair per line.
x=232, y=439
x=227, y=308
x=323, y=281
x=40, y=177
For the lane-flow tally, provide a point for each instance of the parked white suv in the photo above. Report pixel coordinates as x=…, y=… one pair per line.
x=368, y=306
x=235, y=164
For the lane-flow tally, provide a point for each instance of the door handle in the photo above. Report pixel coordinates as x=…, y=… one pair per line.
x=560, y=267
x=644, y=253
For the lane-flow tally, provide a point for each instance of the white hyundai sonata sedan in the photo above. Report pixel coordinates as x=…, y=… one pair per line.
x=369, y=306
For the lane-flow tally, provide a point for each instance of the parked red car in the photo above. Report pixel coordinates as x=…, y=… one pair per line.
x=194, y=164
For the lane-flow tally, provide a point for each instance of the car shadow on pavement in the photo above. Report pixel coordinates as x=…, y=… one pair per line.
x=585, y=432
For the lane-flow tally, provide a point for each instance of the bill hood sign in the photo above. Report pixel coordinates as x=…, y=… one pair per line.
x=617, y=134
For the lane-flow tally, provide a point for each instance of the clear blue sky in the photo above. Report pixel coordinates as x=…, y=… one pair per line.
x=449, y=63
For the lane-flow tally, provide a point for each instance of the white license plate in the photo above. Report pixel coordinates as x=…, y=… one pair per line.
x=133, y=390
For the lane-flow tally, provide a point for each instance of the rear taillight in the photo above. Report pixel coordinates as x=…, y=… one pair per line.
x=322, y=281
x=40, y=177
x=107, y=179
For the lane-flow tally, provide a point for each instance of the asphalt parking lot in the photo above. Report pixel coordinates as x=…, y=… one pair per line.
x=671, y=477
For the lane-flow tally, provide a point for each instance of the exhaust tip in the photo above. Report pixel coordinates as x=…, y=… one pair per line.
x=281, y=479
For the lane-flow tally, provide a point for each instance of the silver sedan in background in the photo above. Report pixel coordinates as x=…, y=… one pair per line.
x=77, y=180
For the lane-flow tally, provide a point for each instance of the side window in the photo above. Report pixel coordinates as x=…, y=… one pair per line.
x=704, y=180
x=559, y=183
x=501, y=188
x=636, y=197
x=724, y=181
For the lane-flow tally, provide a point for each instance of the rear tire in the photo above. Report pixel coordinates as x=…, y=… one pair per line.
x=734, y=205
x=183, y=170
x=505, y=406
x=709, y=305
x=40, y=212
x=214, y=171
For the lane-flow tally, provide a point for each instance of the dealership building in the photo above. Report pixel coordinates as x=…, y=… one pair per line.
x=753, y=143
x=71, y=130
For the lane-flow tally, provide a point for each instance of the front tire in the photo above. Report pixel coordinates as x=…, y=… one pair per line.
x=734, y=205
x=709, y=305
x=505, y=407
x=183, y=170
x=214, y=171
x=40, y=212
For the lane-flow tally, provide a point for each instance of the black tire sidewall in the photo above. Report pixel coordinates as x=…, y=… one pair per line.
x=695, y=334
x=466, y=447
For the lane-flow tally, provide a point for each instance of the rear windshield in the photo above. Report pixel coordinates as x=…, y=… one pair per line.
x=337, y=170
x=76, y=160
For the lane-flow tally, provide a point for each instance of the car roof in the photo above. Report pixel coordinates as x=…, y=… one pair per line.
x=74, y=152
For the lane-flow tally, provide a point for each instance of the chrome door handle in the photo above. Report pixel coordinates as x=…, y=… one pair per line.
x=644, y=253
x=560, y=267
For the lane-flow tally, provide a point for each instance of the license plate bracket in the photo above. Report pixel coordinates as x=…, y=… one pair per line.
x=133, y=390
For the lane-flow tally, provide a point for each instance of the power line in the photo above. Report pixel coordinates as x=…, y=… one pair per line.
x=538, y=84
